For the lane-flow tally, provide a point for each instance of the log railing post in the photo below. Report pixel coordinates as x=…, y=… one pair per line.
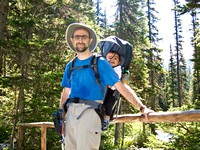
x=43, y=125
x=177, y=116
x=43, y=138
x=20, y=138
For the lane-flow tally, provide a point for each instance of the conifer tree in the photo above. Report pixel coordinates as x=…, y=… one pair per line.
x=101, y=19
x=130, y=26
x=105, y=26
x=153, y=57
x=4, y=6
x=35, y=46
x=192, y=7
x=182, y=78
x=184, y=81
x=98, y=11
x=172, y=80
x=196, y=46
x=178, y=39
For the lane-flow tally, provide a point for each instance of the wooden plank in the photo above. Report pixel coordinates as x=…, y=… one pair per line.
x=177, y=116
x=37, y=124
x=43, y=125
x=43, y=138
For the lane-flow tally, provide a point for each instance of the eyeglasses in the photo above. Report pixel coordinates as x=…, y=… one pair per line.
x=78, y=37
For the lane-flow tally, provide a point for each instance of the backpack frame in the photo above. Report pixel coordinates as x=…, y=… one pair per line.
x=94, y=66
x=124, y=49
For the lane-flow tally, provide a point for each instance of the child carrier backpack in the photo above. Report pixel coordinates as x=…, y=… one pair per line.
x=114, y=44
x=124, y=49
x=93, y=64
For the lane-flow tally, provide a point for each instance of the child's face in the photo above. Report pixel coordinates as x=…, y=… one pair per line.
x=114, y=61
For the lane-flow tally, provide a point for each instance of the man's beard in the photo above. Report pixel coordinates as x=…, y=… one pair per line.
x=81, y=50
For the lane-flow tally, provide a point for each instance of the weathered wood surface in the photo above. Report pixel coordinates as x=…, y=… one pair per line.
x=43, y=125
x=176, y=116
x=20, y=138
x=43, y=138
x=37, y=124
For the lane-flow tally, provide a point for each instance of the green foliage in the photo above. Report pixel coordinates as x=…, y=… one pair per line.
x=34, y=55
x=5, y=130
x=107, y=138
x=154, y=143
x=185, y=135
x=133, y=137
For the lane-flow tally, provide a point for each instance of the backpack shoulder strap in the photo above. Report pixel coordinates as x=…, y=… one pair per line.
x=78, y=67
x=72, y=65
x=94, y=66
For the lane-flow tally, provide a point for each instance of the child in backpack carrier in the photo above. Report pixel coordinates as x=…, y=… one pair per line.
x=114, y=59
x=112, y=95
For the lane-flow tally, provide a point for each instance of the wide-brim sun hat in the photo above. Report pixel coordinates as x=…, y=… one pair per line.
x=70, y=31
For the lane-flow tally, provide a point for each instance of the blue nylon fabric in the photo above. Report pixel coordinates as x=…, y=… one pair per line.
x=82, y=81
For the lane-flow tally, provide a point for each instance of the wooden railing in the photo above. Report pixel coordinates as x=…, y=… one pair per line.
x=178, y=116
x=175, y=116
x=42, y=125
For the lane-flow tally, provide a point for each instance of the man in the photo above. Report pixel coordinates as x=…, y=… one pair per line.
x=83, y=124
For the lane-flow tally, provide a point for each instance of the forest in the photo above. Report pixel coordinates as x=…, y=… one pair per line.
x=34, y=53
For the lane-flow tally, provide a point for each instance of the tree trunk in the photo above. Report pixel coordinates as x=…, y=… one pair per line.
x=123, y=131
x=4, y=5
x=117, y=133
x=151, y=72
x=196, y=71
x=144, y=131
x=3, y=16
x=172, y=76
x=118, y=125
x=20, y=101
x=16, y=107
x=98, y=11
x=177, y=54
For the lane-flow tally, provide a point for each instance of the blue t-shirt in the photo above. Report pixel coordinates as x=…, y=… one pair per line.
x=82, y=81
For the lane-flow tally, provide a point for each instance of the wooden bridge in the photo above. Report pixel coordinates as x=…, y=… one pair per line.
x=177, y=116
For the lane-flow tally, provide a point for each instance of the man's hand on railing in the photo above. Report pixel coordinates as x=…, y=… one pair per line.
x=147, y=111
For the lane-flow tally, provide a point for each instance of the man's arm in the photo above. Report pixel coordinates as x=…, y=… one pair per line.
x=130, y=95
x=64, y=96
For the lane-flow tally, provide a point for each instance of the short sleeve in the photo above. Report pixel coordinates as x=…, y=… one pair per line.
x=66, y=77
x=107, y=73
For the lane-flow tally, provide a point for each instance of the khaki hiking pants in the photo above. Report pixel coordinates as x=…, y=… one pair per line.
x=83, y=133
